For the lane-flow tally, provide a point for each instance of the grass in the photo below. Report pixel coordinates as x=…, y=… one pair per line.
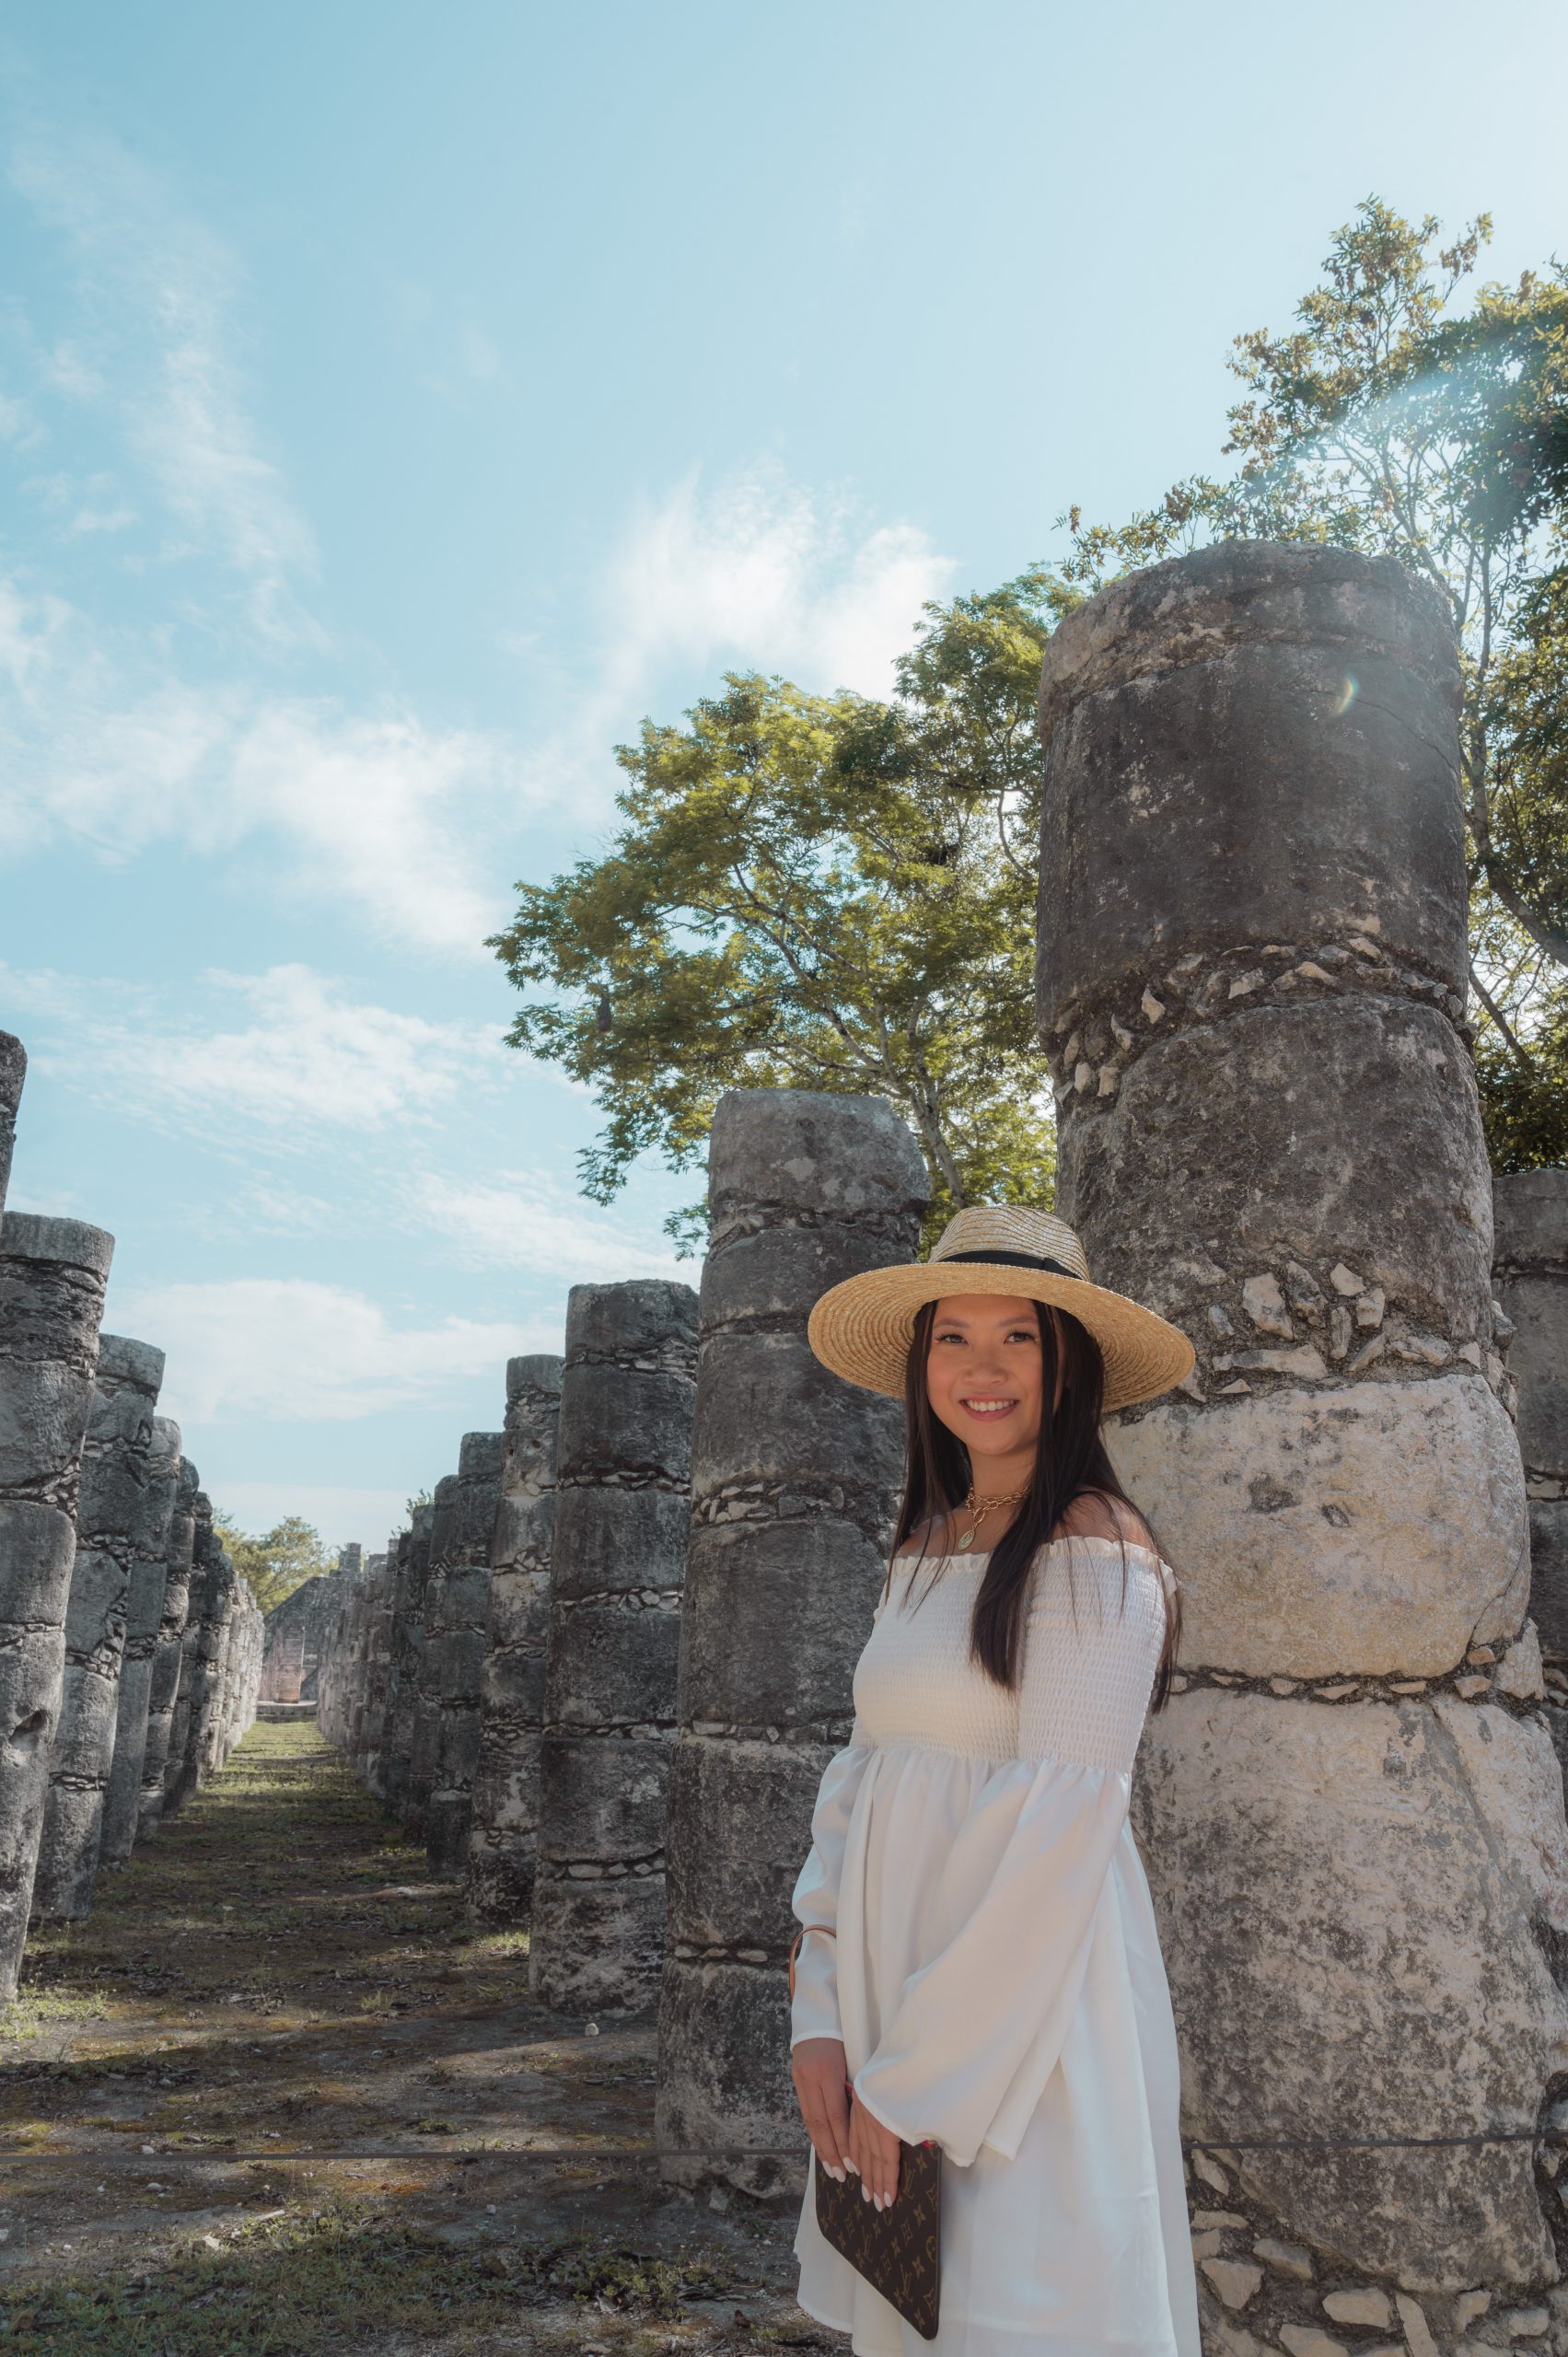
x=295, y=2286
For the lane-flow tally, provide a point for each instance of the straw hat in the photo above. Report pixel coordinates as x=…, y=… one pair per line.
x=862, y=1328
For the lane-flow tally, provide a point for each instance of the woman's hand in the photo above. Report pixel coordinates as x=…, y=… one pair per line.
x=874, y=2154
x=821, y=2087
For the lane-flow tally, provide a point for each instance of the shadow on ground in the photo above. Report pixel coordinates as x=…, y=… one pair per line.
x=276, y=2095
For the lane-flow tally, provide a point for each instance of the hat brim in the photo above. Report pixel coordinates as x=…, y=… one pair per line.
x=862, y=1328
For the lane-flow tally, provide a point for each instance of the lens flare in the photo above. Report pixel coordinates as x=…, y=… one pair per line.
x=1347, y=695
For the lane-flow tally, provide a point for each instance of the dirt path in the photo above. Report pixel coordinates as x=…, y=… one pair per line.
x=277, y=2095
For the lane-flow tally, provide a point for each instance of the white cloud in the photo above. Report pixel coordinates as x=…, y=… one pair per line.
x=305, y=1056
x=157, y=338
x=524, y=1219
x=763, y=572
x=283, y=1350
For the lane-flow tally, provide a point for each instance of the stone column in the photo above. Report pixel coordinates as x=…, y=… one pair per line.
x=408, y=1652
x=627, y=1394
x=168, y=1651
x=195, y=1644
x=114, y=1502
x=143, y=1616
x=52, y=1280
x=464, y=1621
x=505, y=1825
x=1252, y=967
x=1530, y=1272
x=795, y=1484
x=204, y=1743
x=379, y=1667
x=427, y=1708
x=13, y=1071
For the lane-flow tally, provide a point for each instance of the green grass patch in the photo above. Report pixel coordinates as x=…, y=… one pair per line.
x=295, y=2286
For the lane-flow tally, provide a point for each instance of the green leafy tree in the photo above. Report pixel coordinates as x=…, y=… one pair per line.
x=812, y=891
x=275, y=1561
x=1391, y=420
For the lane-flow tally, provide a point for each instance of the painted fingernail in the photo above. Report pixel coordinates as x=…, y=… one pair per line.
x=837, y=2176
x=850, y=2164
x=865, y=2193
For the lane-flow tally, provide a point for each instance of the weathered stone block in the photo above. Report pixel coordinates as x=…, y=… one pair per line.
x=613, y=1541
x=1379, y=1528
x=740, y=1812
x=806, y=1593
x=1347, y=1903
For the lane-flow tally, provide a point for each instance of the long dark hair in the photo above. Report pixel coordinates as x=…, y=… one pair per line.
x=1070, y=1463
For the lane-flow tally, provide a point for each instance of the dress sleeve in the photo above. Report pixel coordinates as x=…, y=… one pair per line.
x=979, y=2029
x=814, y=2008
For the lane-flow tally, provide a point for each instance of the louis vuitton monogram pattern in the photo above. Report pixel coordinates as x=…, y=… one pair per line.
x=896, y=2250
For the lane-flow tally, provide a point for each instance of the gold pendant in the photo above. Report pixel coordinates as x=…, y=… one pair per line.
x=968, y=1538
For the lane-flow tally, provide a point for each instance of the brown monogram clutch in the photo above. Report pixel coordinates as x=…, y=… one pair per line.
x=895, y=2249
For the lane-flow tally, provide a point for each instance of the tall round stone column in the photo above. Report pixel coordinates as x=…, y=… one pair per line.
x=505, y=1826
x=408, y=1651
x=795, y=1484
x=426, y=1714
x=168, y=1650
x=113, y=1505
x=460, y=1669
x=51, y=1279
x=195, y=1658
x=1530, y=1271
x=1252, y=967
x=144, y=1615
x=13, y=1071
x=623, y=1471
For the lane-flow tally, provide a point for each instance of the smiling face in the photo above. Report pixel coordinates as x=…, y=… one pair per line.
x=984, y=1375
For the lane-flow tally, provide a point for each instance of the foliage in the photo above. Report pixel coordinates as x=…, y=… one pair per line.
x=1390, y=421
x=826, y=892
x=275, y=1561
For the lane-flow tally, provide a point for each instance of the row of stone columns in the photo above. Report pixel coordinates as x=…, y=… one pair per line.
x=93, y=1577
x=1252, y=989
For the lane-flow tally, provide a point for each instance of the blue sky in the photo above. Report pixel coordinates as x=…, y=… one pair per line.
x=397, y=402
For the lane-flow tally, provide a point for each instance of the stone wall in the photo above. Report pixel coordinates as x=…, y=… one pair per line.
x=627, y=1394
x=505, y=1826
x=51, y=1281
x=1252, y=969
x=795, y=1484
x=116, y=1502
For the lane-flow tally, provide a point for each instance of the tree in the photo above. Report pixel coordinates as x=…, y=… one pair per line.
x=824, y=892
x=275, y=1561
x=1390, y=421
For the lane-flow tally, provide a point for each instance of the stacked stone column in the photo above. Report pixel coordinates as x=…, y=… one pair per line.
x=196, y=1655
x=117, y=1505
x=167, y=1654
x=425, y=1711
x=52, y=1282
x=505, y=1826
x=144, y=1615
x=461, y=1660
x=1531, y=1268
x=1252, y=968
x=794, y=1485
x=627, y=1396
x=13, y=1071
x=408, y=1647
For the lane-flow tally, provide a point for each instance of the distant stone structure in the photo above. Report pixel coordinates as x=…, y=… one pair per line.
x=53, y=1273
x=623, y=1471
x=408, y=1653
x=795, y=1478
x=210, y=1571
x=116, y=1503
x=505, y=1826
x=1530, y=1268
x=143, y=1617
x=168, y=1653
x=424, y=1716
x=13, y=1071
x=460, y=1662
x=1252, y=976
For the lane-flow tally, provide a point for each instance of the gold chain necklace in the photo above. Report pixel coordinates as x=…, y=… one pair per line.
x=980, y=1507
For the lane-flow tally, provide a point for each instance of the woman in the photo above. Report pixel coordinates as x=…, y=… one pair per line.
x=978, y=1962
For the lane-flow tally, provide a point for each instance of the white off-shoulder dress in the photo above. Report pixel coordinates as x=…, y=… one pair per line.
x=996, y=1976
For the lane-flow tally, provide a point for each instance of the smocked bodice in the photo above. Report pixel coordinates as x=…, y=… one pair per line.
x=1092, y=1642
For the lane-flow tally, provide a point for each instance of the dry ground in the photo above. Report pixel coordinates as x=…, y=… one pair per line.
x=277, y=2095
